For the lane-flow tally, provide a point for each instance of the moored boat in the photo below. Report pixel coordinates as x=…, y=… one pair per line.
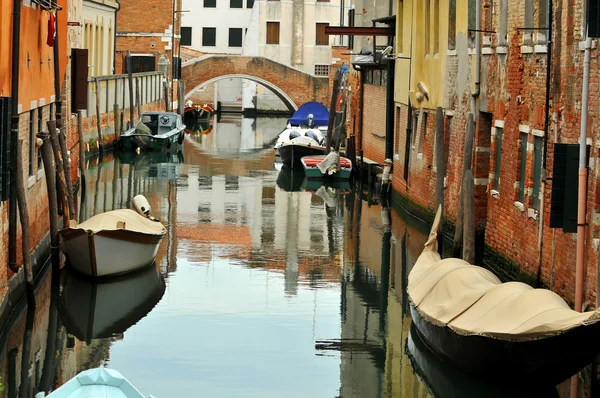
x=154, y=131
x=96, y=383
x=113, y=243
x=497, y=330
x=331, y=166
x=304, y=134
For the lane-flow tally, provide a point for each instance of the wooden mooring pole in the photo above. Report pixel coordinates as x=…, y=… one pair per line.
x=468, y=188
x=25, y=232
x=81, y=149
x=458, y=233
x=440, y=170
x=62, y=185
x=50, y=172
x=62, y=140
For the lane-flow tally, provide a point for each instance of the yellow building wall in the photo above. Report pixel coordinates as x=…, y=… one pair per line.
x=427, y=69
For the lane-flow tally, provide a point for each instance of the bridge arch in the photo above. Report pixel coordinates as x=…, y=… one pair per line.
x=286, y=99
x=293, y=86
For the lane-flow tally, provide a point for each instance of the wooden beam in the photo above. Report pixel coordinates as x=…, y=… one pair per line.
x=359, y=31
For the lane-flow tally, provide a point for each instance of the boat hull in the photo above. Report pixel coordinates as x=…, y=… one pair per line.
x=109, y=253
x=291, y=154
x=312, y=171
x=132, y=142
x=549, y=360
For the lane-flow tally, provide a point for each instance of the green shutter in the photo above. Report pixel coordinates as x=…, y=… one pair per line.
x=537, y=169
x=5, y=126
x=593, y=18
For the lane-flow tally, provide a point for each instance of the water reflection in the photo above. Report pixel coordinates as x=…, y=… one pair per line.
x=92, y=310
x=266, y=285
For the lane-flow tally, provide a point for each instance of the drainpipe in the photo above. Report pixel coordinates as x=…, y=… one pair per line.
x=114, y=68
x=581, y=208
x=57, y=75
x=362, y=110
x=14, y=138
x=475, y=94
x=545, y=151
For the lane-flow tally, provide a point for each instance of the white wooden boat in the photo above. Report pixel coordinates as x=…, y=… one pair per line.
x=502, y=331
x=113, y=243
x=96, y=383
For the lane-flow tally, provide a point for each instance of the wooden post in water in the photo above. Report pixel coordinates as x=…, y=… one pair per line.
x=458, y=233
x=166, y=93
x=66, y=167
x=130, y=79
x=335, y=92
x=469, y=217
x=117, y=121
x=81, y=149
x=25, y=235
x=50, y=172
x=440, y=169
x=180, y=97
x=137, y=97
x=62, y=185
x=98, y=124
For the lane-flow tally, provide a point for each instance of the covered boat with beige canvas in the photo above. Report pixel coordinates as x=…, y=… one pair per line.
x=503, y=331
x=115, y=242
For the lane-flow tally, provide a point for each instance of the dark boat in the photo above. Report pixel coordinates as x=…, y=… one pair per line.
x=444, y=380
x=291, y=152
x=290, y=180
x=495, y=330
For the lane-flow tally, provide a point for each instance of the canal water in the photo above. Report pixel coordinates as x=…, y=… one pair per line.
x=265, y=286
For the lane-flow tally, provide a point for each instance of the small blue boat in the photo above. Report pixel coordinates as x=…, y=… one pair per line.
x=96, y=383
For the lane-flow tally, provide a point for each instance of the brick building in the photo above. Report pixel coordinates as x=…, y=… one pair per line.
x=513, y=149
x=145, y=29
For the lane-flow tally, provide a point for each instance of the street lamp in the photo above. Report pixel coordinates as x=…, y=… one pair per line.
x=173, y=49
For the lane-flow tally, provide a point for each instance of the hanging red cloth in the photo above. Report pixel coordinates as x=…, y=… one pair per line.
x=51, y=30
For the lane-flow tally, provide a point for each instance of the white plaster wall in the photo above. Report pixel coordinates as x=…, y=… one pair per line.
x=222, y=18
x=283, y=12
x=99, y=42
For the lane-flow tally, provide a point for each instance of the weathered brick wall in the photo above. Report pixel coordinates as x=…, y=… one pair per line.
x=299, y=86
x=374, y=123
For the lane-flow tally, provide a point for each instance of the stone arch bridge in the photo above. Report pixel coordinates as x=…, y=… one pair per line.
x=293, y=86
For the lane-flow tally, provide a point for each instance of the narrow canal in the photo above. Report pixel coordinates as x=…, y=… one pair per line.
x=265, y=286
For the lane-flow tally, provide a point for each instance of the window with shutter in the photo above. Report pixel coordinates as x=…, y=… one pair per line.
x=5, y=116
x=235, y=37
x=272, y=32
x=593, y=18
x=322, y=39
x=209, y=37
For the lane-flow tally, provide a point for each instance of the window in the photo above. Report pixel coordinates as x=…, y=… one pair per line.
x=140, y=63
x=250, y=4
x=236, y=3
x=502, y=31
x=436, y=26
x=31, y=140
x=321, y=70
x=209, y=37
x=40, y=164
x=235, y=37
x=537, y=169
x=472, y=10
x=186, y=36
x=210, y=3
x=399, y=39
x=272, y=32
x=322, y=38
x=427, y=26
x=452, y=25
x=523, y=166
x=498, y=158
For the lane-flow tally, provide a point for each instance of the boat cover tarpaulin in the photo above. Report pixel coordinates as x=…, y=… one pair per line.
x=471, y=300
x=320, y=113
x=133, y=222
